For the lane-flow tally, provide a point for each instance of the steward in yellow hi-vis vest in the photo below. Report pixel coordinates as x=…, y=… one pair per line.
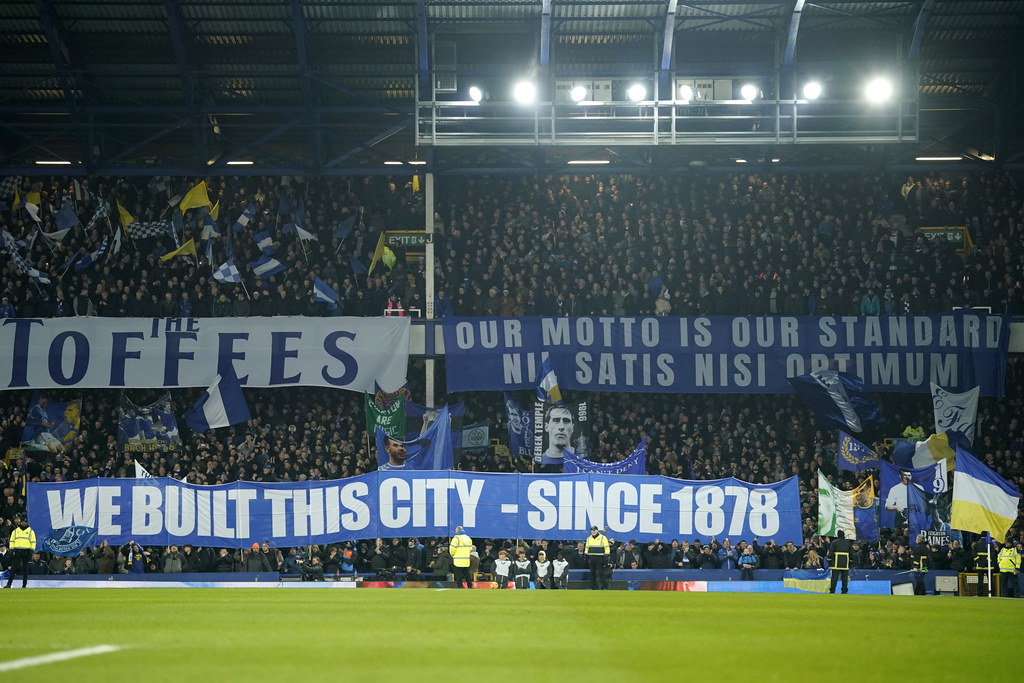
x=598, y=554
x=22, y=543
x=461, y=548
x=1009, y=570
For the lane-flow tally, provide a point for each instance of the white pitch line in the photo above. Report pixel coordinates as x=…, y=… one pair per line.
x=54, y=657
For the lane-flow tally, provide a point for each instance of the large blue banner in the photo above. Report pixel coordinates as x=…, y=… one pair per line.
x=721, y=354
x=388, y=504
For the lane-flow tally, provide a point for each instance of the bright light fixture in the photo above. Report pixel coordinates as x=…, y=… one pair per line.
x=741, y=161
x=239, y=163
x=748, y=92
x=685, y=93
x=775, y=161
x=587, y=162
x=52, y=162
x=636, y=92
x=956, y=158
x=812, y=90
x=417, y=162
x=475, y=94
x=878, y=90
x=392, y=163
x=525, y=92
x=578, y=94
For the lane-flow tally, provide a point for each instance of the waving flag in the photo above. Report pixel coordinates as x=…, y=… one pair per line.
x=323, y=292
x=285, y=206
x=126, y=218
x=344, y=228
x=635, y=463
x=210, y=229
x=955, y=413
x=547, y=385
x=12, y=250
x=187, y=248
x=357, y=266
x=243, y=220
x=378, y=253
x=917, y=498
x=431, y=451
x=227, y=273
x=264, y=242
x=222, y=405
x=66, y=217
x=197, y=197
x=838, y=510
x=266, y=267
x=911, y=454
x=55, y=236
x=91, y=257
x=854, y=456
x=839, y=400
x=982, y=500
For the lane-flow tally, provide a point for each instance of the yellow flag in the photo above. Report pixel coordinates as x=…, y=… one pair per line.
x=195, y=198
x=215, y=211
x=415, y=183
x=17, y=198
x=377, y=253
x=33, y=198
x=126, y=218
x=187, y=248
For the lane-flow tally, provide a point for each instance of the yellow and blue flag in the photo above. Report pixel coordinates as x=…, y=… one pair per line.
x=547, y=385
x=982, y=500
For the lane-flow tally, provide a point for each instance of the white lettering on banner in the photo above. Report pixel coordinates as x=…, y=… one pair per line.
x=359, y=517
x=146, y=504
x=469, y=498
x=181, y=511
x=78, y=509
x=106, y=510
x=545, y=516
x=339, y=352
x=278, y=512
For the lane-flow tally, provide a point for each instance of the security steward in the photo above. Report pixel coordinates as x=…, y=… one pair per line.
x=460, y=549
x=982, y=564
x=22, y=544
x=1009, y=570
x=598, y=553
x=922, y=557
x=839, y=561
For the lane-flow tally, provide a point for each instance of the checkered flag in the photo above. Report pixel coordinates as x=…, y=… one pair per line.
x=11, y=248
x=227, y=273
x=102, y=211
x=140, y=231
x=8, y=185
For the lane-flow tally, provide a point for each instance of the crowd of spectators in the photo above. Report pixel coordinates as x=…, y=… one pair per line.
x=810, y=244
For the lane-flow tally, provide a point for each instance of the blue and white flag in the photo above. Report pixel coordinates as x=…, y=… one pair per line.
x=323, y=292
x=520, y=429
x=67, y=264
x=266, y=267
x=430, y=451
x=67, y=542
x=12, y=250
x=344, y=228
x=227, y=272
x=918, y=498
x=222, y=405
x=210, y=228
x=66, y=217
x=243, y=220
x=636, y=463
x=56, y=235
x=264, y=242
x=145, y=429
x=547, y=384
x=141, y=472
x=955, y=413
x=476, y=438
x=854, y=456
x=839, y=400
x=91, y=257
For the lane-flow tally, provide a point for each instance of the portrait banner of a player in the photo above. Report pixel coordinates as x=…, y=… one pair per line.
x=559, y=427
x=920, y=499
x=145, y=429
x=51, y=426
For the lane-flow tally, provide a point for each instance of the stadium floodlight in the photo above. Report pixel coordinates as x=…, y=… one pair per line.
x=475, y=93
x=525, y=92
x=686, y=93
x=749, y=92
x=636, y=92
x=812, y=90
x=52, y=162
x=878, y=90
x=578, y=93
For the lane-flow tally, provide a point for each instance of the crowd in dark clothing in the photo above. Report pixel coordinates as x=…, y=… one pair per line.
x=810, y=244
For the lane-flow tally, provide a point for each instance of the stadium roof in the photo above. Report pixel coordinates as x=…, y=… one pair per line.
x=331, y=86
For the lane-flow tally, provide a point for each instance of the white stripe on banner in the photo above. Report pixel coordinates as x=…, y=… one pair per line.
x=55, y=657
x=74, y=353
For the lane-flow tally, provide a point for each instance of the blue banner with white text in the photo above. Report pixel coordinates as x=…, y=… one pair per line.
x=418, y=503
x=721, y=354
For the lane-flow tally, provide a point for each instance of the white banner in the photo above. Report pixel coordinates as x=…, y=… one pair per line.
x=341, y=352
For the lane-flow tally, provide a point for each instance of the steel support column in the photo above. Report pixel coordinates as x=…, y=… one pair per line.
x=180, y=40
x=305, y=69
x=919, y=25
x=794, y=30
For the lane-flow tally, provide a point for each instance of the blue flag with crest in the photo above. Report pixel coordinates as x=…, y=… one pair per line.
x=854, y=456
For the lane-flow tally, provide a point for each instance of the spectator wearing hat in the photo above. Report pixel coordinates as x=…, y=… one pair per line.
x=7, y=309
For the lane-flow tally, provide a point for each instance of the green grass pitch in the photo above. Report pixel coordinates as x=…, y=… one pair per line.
x=209, y=634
